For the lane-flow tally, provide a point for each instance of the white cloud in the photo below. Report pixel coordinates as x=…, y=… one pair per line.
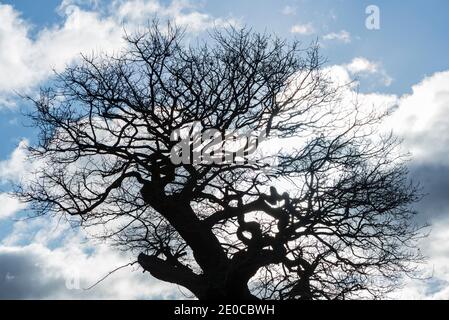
x=371, y=101
x=29, y=61
x=434, y=279
x=341, y=36
x=9, y=206
x=15, y=167
x=289, y=10
x=422, y=120
x=361, y=66
x=304, y=29
x=14, y=60
x=90, y=3
x=339, y=74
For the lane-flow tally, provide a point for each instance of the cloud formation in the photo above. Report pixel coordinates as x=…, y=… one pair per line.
x=31, y=60
x=45, y=258
x=37, y=272
x=303, y=29
x=9, y=206
x=289, y=10
x=341, y=36
x=13, y=168
x=422, y=119
x=362, y=67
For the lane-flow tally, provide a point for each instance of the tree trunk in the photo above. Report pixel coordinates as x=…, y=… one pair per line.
x=222, y=278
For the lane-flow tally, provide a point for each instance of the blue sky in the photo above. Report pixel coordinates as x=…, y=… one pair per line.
x=406, y=60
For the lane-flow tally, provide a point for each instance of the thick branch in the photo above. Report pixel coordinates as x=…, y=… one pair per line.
x=165, y=271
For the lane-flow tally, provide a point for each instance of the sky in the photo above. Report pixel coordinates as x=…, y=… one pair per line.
x=400, y=59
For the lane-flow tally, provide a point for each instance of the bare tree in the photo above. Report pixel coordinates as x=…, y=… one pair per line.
x=340, y=228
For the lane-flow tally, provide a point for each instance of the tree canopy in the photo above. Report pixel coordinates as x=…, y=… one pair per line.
x=331, y=218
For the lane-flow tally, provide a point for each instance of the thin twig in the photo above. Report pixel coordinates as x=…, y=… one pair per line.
x=111, y=272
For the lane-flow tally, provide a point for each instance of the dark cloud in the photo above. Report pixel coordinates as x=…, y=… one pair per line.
x=434, y=180
x=22, y=276
x=35, y=272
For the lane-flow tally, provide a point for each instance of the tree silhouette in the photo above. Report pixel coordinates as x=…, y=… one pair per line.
x=331, y=219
